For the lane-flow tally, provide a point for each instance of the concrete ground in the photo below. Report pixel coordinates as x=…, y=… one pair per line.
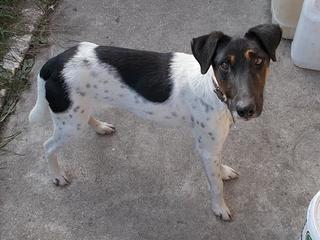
x=145, y=182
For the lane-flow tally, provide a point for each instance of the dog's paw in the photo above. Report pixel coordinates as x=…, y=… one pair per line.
x=228, y=173
x=104, y=128
x=60, y=180
x=222, y=212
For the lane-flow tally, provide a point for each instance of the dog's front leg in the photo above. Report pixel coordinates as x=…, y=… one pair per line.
x=212, y=165
x=209, y=145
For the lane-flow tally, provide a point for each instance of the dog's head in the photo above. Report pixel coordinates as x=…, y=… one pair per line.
x=240, y=65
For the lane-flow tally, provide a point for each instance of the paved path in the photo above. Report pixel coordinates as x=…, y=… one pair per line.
x=145, y=182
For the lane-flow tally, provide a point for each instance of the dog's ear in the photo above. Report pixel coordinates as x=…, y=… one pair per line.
x=204, y=48
x=268, y=36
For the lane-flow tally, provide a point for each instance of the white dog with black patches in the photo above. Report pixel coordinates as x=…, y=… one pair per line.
x=170, y=88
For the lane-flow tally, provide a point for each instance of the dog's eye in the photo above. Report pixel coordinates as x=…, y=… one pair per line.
x=224, y=66
x=258, y=61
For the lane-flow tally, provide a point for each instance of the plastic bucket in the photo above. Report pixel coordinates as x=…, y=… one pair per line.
x=311, y=230
x=305, y=48
x=286, y=13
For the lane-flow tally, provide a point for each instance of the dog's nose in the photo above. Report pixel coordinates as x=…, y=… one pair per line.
x=245, y=109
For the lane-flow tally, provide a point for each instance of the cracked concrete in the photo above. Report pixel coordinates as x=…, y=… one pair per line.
x=19, y=45
x=145, y=182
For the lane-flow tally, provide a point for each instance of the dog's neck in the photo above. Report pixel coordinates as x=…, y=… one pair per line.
x=187, y=72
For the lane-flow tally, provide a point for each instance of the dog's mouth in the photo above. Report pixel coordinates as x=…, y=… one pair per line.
x=238, y=117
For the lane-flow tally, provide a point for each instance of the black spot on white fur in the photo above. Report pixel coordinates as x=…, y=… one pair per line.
x=145, y=72
x=174, y=114
x=76, y=109
x=206, y=106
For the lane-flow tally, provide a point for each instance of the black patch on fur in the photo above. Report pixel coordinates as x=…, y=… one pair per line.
x=76, y=109
x=57, y=93
x=145, y=72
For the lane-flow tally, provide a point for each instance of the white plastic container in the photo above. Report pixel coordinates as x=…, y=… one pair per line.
x=305, y=49
x=286, y=14
x=311, y=230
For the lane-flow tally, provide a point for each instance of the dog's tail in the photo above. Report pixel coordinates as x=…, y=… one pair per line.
x=40, y=112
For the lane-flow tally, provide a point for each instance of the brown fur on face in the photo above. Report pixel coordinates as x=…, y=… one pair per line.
x=232, y=59
x=248, y=53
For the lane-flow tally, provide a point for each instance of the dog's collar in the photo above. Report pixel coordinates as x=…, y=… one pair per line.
x=222, y=97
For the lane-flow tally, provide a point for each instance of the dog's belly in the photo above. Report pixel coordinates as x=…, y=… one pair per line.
x=168, y=113
x=105, y=89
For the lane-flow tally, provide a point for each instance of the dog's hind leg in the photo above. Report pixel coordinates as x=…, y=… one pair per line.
x=51, y=148
x=102, y=128
x=67, y=126
x=228, y=173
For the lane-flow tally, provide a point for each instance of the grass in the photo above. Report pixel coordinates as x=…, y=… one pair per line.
x=16, y=84
x=9, y=17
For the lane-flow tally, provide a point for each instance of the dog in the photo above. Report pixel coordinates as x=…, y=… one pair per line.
x=224, y=77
